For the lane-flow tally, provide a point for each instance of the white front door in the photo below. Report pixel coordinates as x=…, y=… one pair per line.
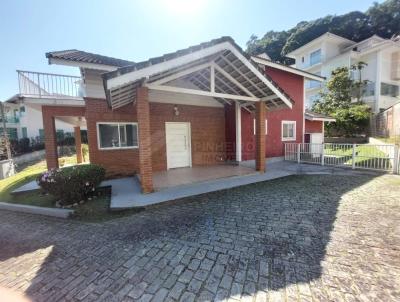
x=317, y=138
x=178, y=145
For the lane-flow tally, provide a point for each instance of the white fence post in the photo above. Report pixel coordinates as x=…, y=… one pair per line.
x=298, y=153
x=353, y=165
x=323, y=154
x=396, y=160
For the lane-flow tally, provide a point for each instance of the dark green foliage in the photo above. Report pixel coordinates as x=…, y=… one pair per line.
x=72, y=184
x=352, y=118
x=68, y=141
x=380, y=19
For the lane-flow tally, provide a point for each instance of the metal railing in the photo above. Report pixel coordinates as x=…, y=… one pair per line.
x=10, y=119
x=355, y=156
x=39, y=84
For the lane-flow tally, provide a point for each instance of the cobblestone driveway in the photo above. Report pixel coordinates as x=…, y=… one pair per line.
x=302, y=238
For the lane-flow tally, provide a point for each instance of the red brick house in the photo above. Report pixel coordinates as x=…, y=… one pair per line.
x=204, y=105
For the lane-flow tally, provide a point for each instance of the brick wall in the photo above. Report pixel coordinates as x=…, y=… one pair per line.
x=117, y=162
x=313, y=126
x=49, y=113
x=207, y=134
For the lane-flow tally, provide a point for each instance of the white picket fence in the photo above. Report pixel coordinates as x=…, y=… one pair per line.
x=356, y=156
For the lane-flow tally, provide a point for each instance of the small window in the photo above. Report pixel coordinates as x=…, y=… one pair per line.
x=288, y=130
x=24, y=132
x=117, y=135
x=22, y=111
x=389, y=90
x=41, y=134
x=302, y=59
x=12, y=133
x=315, y=57
x=254, y=126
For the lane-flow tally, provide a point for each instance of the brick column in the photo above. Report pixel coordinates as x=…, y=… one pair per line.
x=143, y=116
x=78, y=144
x=260, y=136
x=50, y=138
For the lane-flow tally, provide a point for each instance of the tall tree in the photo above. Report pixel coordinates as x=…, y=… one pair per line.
x=337, y=100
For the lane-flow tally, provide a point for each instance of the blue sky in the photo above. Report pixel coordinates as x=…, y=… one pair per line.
x=137, y=30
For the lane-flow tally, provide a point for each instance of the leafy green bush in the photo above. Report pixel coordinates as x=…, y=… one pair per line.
x=72, y=184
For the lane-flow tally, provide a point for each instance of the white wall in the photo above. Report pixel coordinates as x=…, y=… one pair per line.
x=369, y=71
x=182, y=98
x=94, y=88
x=330, y=50
x=32, y=119
x=340, y=61
x=93, y=83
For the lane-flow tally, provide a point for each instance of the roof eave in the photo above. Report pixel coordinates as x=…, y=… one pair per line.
x=290, y=69
x=123, y=76
x=96, y=66
x=319, y=119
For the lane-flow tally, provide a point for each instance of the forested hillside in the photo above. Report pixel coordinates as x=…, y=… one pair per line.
x=380, y=19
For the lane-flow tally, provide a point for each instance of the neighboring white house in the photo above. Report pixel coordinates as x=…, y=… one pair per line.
x=24, y=110
x=329, y=51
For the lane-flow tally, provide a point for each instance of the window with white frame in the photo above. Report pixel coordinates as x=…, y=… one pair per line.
x=288, y=130
x=315, y=57
x=254, y=126
x=117, y=135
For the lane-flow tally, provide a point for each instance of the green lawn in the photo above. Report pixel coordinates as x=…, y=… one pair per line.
x=389, y=140
x=95, y=210
x=363, y=154
x=25, y=174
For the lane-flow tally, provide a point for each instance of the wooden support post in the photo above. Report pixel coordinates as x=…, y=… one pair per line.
x=238, y=124
x=50, y=138
x=78, y=144
x=260, y=136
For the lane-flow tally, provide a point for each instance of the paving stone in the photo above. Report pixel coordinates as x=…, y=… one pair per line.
x=226, y=282
x=207, y=264
x=313, y=238
x=160, y=295
x=194, y=264
x=186, y=276
x=194, y=286
x=177, y=290
x=201, y=275
x=138, y=290
x=187, y=297
x=169, y=283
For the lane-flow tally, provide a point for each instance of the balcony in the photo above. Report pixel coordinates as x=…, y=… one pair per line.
x=49, y=85
x=10, y=119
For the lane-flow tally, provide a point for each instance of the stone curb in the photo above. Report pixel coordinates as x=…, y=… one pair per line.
x=60, y=213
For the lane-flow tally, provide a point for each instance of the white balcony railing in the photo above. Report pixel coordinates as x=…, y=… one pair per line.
x=42, y=85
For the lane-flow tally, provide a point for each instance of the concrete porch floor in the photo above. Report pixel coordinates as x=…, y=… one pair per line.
x=126, y=192
x=183, y=176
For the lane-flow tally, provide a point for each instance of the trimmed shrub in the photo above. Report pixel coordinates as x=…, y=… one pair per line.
x=72, y=184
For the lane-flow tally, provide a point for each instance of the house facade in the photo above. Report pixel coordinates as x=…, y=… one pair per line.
x=326, y=53
x=205, y=105
x=24, y=112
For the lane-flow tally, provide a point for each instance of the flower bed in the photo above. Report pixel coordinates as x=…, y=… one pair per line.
x=72, y=184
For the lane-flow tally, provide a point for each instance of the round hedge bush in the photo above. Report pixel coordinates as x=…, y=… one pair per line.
x=72, y=184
